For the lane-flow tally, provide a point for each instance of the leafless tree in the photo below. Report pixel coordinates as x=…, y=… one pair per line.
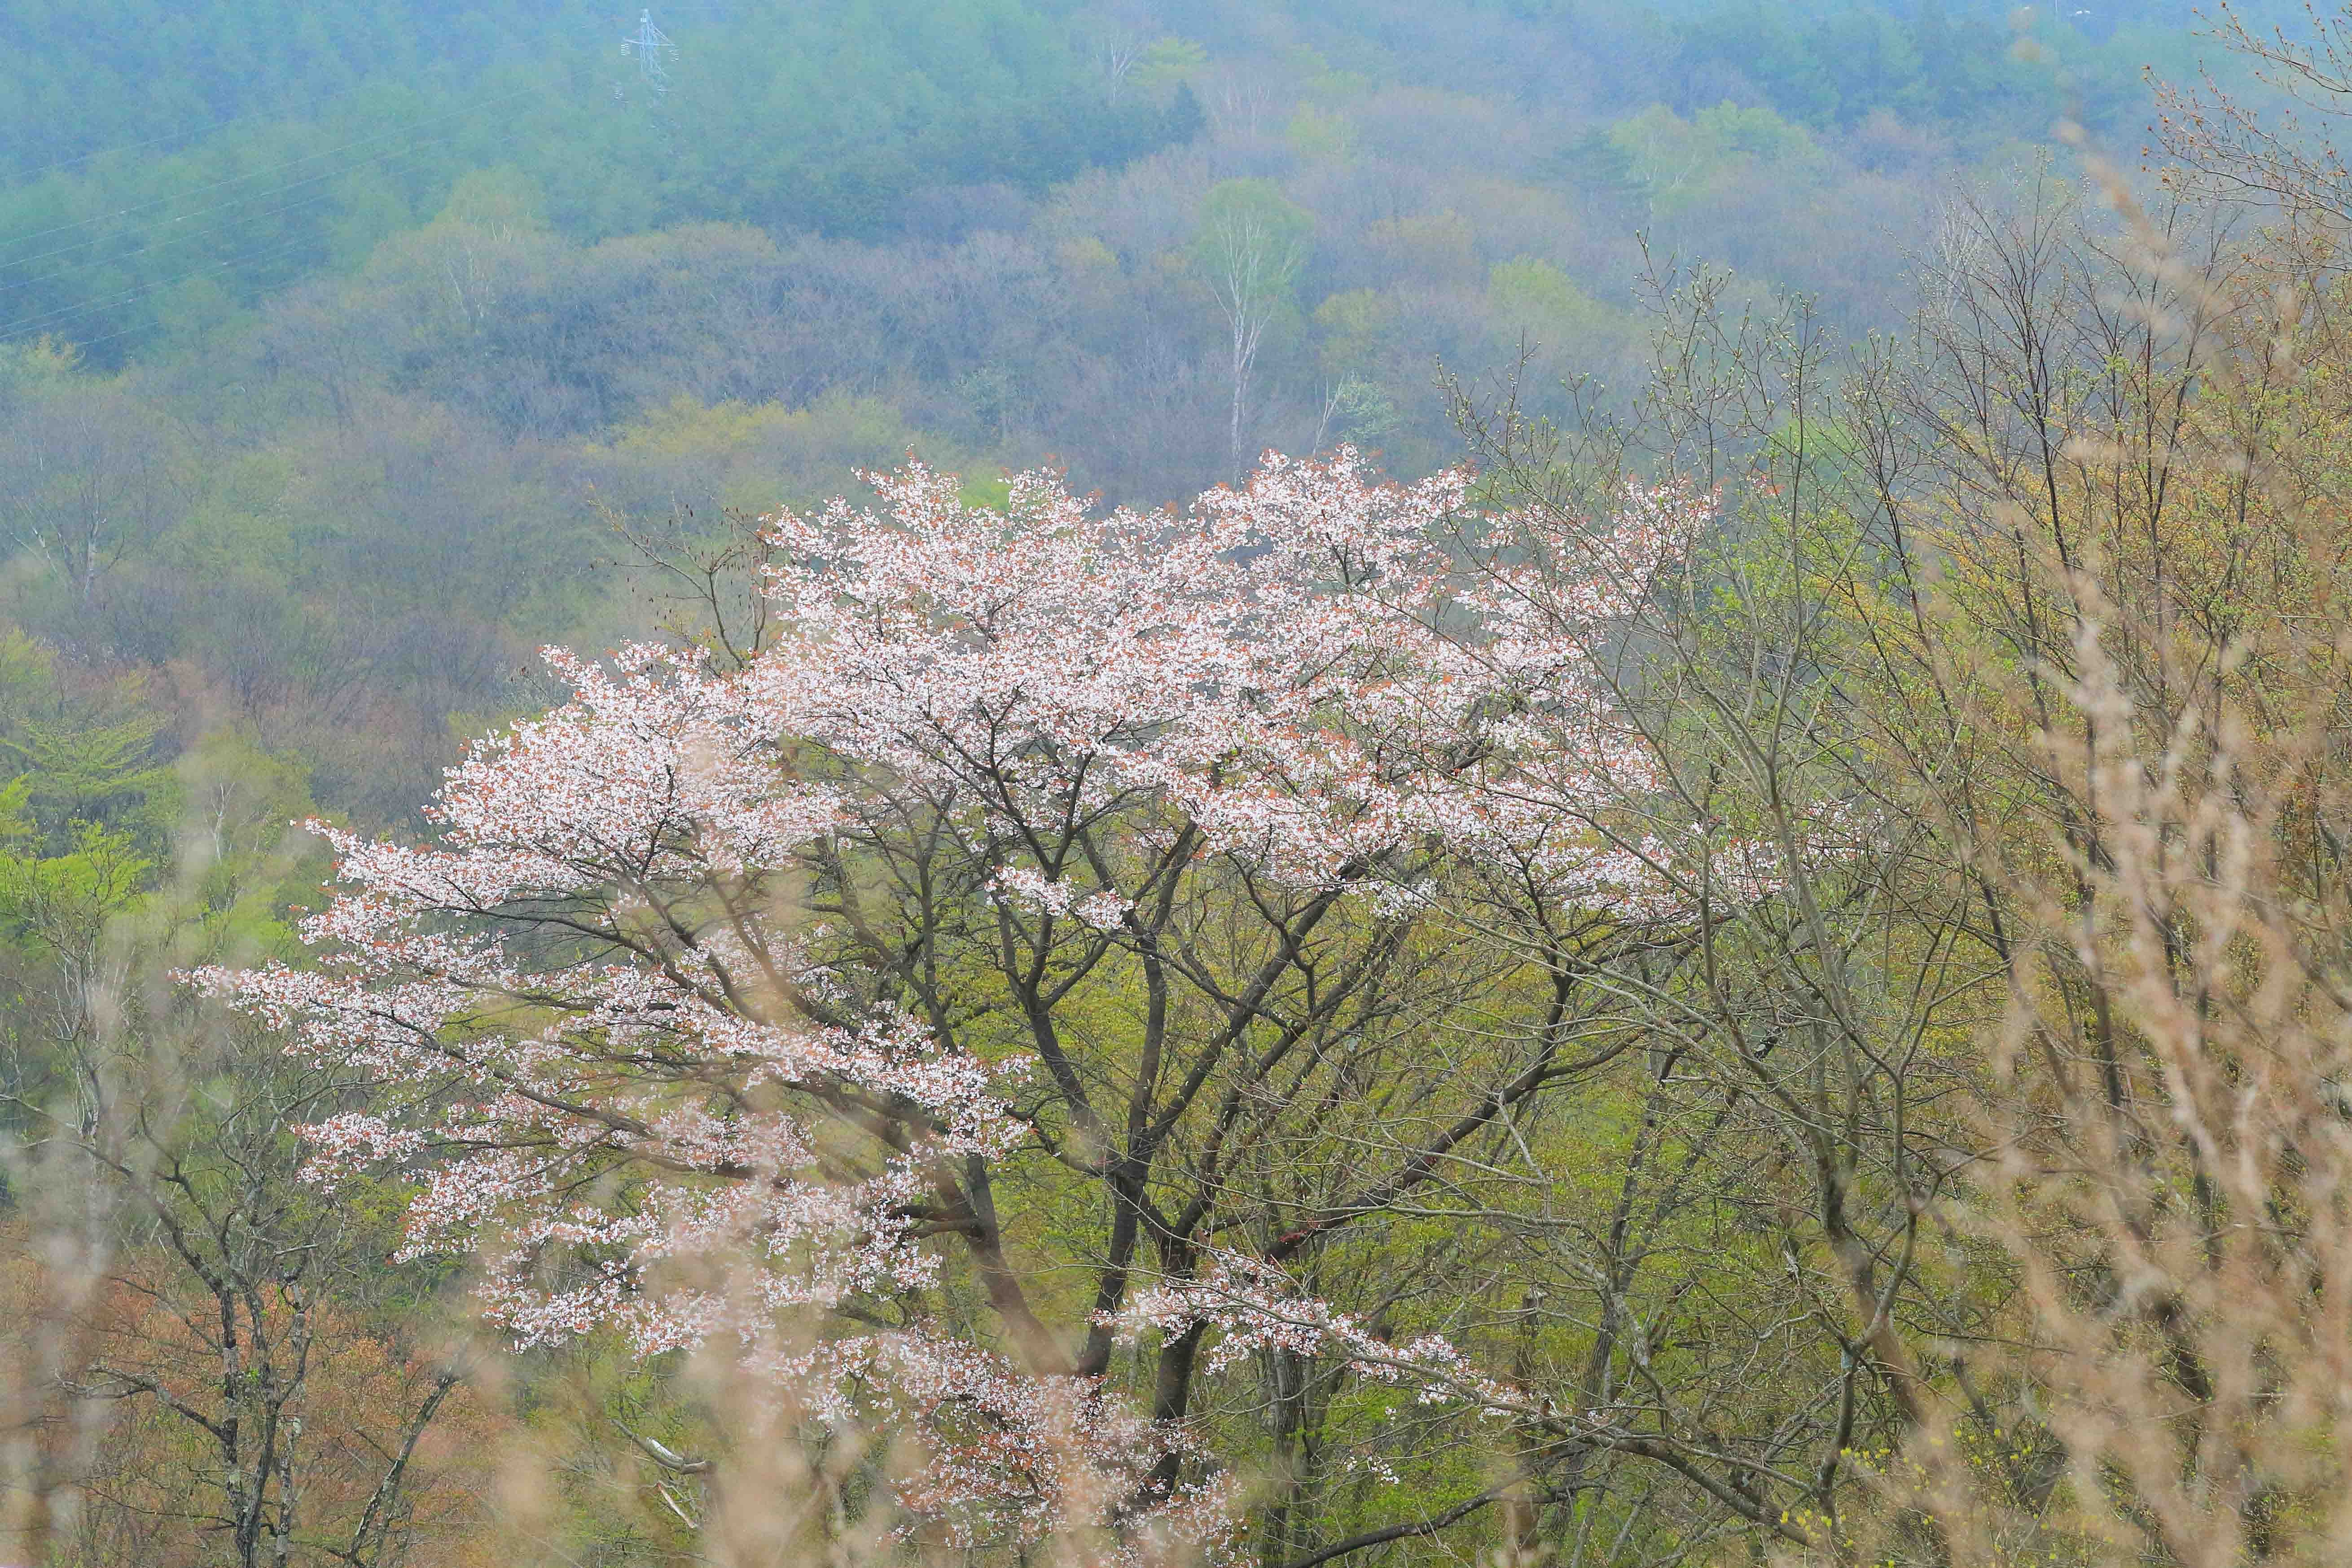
x=86, y=478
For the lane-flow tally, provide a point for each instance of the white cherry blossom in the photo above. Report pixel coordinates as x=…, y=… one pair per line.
x=633, y=1096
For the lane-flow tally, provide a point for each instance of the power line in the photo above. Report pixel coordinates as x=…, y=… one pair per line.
x=48, y=321
x=41, y=322
x=649, y=42
x=55, y=315
x=280, y=107
x=241, y=179
x=175, y=239
x=277, y=111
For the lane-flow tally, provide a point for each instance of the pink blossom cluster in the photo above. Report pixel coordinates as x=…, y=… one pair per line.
x=1298, y=666
x=1254, y=1307
x=632, y=1095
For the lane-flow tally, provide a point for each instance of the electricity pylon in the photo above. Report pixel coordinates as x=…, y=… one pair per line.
x=647, y=44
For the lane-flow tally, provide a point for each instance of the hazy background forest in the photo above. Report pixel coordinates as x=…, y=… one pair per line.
x=352, y=350
x=331, y=334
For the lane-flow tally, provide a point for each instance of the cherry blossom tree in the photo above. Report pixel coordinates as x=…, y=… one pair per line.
x=979, y=1006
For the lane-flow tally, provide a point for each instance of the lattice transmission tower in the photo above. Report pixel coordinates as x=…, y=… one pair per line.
x=648, y=43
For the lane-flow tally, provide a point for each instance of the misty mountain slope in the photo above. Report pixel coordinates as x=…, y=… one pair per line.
x=382, y=378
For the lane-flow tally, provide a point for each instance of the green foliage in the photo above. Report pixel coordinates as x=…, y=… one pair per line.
x=61, y=904
x=81, y=776
x=29, y=672
x=242, y=861
x=34, y=365
x=1168, y=64
x=755, y=456
x=98, y=818
x=1364, y=413
x=139, y=73
x=1534, y=298
x=1680, y=164
x=1827, y=66
x=1259, y=202
x=500, y=198
x=994, y=493
x=1253, y=217
x=1321, y=134
x=1353, y=326
x=789, y=117
x=1186, y=118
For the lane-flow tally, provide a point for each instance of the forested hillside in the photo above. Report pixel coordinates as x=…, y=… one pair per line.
x=1548, y=1012
x=258, y=146
x=366, y=323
